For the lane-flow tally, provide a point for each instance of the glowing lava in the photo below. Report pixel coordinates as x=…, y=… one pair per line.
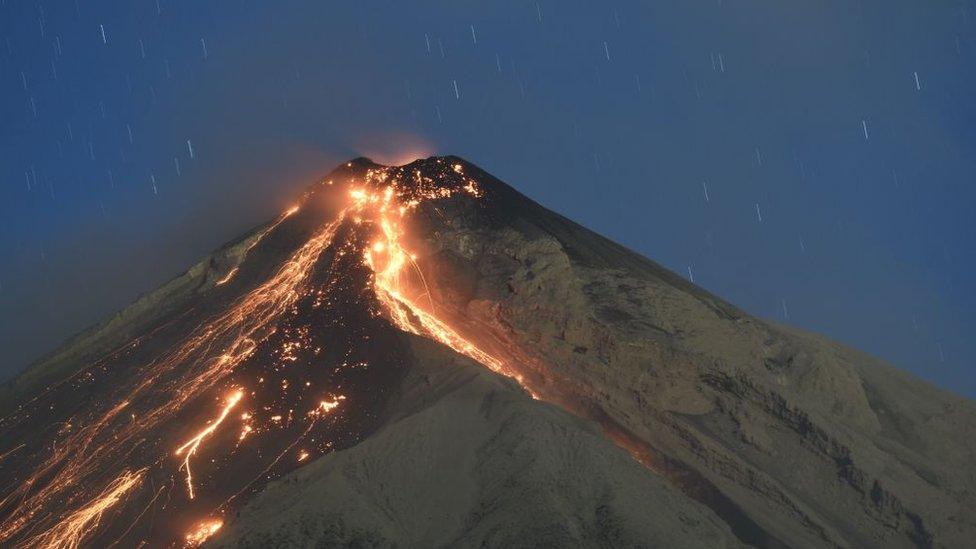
x=257, y=240
x=62, y=492
x=193, y=444
x=389, y=260
x=202, y=532
x=71, y=530
x=130, y=427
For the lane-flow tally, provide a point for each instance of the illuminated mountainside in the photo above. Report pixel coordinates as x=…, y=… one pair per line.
x=421, y=356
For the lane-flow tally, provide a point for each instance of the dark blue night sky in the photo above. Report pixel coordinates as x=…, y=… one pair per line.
x=835, y=140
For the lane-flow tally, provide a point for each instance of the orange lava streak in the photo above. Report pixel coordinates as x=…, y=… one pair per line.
x=230, y=274
x=327, y=406
x=194, y=443
x=387, y=258
x=71, y=530
x=202, y=532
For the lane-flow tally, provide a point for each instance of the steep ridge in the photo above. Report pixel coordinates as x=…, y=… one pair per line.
x=296, y=347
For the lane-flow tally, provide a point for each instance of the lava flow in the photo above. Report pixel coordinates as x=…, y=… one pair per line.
x=70, y=487
x=390, y=261
x=268, y=382
x=70, y=532
x=191, y=446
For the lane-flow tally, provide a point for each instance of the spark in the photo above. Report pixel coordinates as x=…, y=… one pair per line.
x=12, y=450
x=191, y=446
x=202, y=532
x=315, y=414
x=327, y=406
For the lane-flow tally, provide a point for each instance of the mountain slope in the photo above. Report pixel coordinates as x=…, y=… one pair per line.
x=815, y=443
x=287, y=350
x=469, y=460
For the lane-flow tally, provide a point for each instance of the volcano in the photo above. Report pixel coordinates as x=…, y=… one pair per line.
x=420, y=356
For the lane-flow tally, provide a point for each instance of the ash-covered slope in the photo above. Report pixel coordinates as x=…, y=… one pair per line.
x=468, y=459
x=323, y=353
x=792, y=439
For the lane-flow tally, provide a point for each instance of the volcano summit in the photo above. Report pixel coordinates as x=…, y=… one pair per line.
x=419, y=356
